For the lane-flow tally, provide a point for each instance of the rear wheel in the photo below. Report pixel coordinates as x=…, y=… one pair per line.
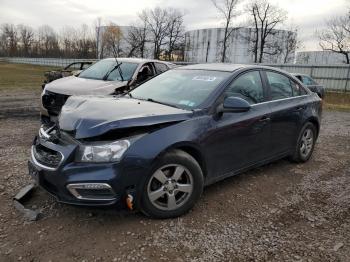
x=173, y=187
x=306, y=143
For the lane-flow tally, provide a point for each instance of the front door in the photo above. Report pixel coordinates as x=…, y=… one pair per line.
x=240, y=139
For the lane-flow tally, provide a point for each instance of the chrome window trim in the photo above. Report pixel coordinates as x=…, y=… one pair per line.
x=72, y=188
x=43, y=166
x=282, y=99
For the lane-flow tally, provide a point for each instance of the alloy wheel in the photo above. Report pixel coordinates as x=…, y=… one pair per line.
x=307, y=141
x=170, y=187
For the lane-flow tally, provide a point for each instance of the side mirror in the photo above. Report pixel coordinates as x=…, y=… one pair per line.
x=234, y=105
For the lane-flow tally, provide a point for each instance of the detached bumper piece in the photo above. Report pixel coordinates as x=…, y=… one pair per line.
x=29, y=214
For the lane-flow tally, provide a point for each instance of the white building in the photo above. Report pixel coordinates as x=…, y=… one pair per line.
x=205, y=45
x=319, y=57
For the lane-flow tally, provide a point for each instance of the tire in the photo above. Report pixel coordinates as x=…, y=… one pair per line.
x=173, y=187
x=305, y=143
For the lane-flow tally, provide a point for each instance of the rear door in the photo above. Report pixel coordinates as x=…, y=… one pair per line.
x=287, y=102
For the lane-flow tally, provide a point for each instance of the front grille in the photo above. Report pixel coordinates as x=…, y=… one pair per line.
x=46, y=156
x=53, y=102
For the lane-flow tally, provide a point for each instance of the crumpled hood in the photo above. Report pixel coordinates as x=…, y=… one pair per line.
x=89, y=116
x=73, y=85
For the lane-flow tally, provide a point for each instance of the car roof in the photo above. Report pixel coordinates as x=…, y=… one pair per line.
x=212, y=67
x=225, y=67
x=137, y=60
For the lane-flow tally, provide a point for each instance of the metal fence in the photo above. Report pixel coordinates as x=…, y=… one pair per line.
x=332, y=77
x=54, y=62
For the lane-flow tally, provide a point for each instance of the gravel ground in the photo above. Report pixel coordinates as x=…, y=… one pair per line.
x=279, y=212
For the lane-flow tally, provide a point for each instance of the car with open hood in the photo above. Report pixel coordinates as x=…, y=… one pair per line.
x=156, y=147
x=106, y=77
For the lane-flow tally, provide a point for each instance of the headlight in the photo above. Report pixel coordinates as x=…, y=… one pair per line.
x=103, y=153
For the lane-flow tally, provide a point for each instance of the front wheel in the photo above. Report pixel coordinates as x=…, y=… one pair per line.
x=173, y=187
x=306, y=143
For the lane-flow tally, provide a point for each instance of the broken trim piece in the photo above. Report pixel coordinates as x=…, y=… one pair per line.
x=29, y=214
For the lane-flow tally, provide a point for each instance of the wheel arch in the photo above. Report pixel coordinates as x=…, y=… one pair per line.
x=313, y=120
x=193, y=150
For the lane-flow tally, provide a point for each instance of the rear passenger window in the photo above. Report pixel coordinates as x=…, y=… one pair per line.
x=248, y=87
x=161, y=68
x=280, y=86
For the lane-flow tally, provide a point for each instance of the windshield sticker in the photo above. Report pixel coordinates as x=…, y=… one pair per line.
x=204, y=78
x=186, y=103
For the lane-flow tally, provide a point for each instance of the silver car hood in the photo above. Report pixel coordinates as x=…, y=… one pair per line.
x=73, y=85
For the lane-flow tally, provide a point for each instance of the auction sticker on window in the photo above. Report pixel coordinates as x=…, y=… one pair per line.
x=204, y=78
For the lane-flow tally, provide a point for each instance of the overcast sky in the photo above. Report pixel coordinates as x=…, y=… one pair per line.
x=307, y=15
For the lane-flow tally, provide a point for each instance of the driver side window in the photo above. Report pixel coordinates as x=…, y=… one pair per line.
x=145, y=73
x=247, y=86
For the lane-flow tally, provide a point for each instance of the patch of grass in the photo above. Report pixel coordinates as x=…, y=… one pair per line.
x=337, y=101
x=21, y=77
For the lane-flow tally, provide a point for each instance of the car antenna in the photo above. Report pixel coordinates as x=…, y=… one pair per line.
x=118, y=65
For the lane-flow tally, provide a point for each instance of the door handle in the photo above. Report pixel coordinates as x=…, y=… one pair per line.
x=264, y=119
x=299, y=108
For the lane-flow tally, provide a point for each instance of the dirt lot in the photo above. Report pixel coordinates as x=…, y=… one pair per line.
x=280, y=212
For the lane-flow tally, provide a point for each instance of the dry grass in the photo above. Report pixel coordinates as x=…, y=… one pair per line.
x=21, y=77
x=337, y=101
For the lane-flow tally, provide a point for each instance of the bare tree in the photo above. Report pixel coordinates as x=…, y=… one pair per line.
x=137, y=39
x=48, y=41
x=265, y=18
x=336, y=36
x=290, y=43
x=85, y=41
x=10, y=37
x=26, y=34
x=97, y=26
x=158, y=25
x=112, y=37
x=67, y=39
x=227, y=9
x=176, y=31
x=3, y=47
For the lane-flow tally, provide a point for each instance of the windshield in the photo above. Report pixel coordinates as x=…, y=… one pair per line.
x=181, y=88
x=99, y=70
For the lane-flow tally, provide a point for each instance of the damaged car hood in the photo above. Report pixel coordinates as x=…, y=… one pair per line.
x=73, y=85
x=87, y=116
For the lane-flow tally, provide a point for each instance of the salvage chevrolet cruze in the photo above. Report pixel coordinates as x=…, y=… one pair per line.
x=156, y=147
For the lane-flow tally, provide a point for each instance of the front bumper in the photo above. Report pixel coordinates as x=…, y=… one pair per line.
x=59, y=184
x=92, y=184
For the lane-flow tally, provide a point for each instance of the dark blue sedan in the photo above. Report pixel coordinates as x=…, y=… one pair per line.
x=155, y=148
